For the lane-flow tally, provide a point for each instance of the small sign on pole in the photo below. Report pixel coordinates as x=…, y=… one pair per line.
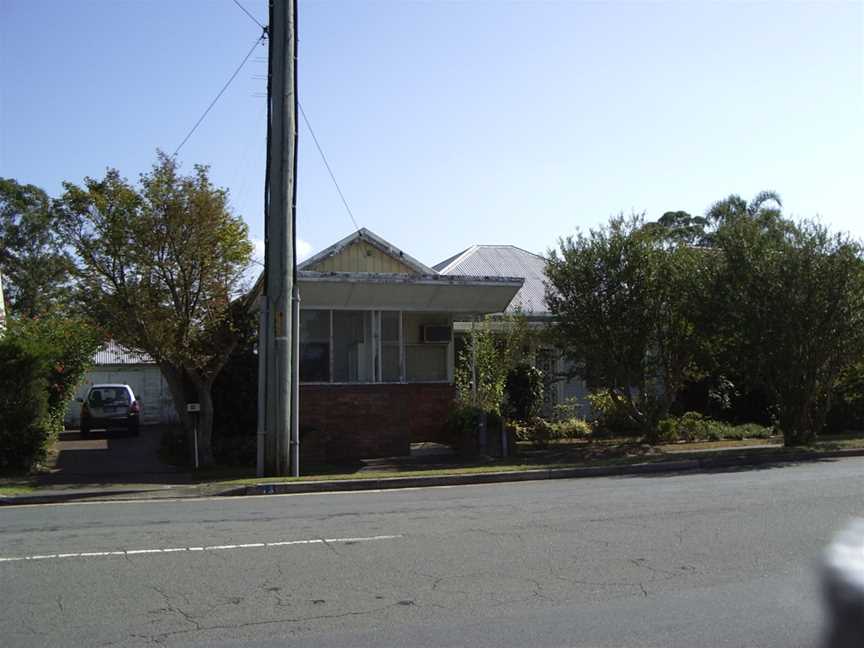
x=194, y=408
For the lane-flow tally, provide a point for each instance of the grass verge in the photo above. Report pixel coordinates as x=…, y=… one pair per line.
x=552, y=458
x=8, y=489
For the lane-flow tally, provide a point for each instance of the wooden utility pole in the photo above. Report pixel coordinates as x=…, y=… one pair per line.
x=276, y=348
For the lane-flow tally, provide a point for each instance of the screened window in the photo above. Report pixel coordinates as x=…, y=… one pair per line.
x=315, y=346
x=391, y=353
x=352, y=346
x=344, y=346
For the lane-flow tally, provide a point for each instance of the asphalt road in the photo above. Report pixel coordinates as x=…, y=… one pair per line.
x=720, y=559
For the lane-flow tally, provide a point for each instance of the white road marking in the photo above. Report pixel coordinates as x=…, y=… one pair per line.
x=249, y=545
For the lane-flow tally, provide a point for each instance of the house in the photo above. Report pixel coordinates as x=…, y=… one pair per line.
x=116, y=364
x=530, y=300
x=376, y=345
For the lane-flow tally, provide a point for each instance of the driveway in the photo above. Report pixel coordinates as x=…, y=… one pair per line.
x=109, y=456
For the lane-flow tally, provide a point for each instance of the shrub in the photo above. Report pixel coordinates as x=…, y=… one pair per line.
x=523, y=392
x=538, y=432
x=523, y=431
x=24, y=425
x=608, y=418
x=571, y=408
x=65, y=348
x=463, y=424
x=748, y=431
x=847, y=401
x=572, y=428
x=692, y=426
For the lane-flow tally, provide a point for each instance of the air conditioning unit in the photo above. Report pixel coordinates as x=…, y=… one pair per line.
x=436, y=333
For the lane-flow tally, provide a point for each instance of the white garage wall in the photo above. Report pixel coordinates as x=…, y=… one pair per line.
x=146, y=381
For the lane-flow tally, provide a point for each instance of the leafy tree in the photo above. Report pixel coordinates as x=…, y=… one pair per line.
x=162, y=266
x=682, y=228
x=494, y=347
x=524, y=391
x=792, y=298
x=624, y=300
x=33, y=260
x=765, y=208
x=679, y=227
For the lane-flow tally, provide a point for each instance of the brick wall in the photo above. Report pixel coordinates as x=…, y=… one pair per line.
x=342, y=422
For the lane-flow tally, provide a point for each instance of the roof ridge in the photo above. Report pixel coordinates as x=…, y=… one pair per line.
x=458, y=258
x=510, y=245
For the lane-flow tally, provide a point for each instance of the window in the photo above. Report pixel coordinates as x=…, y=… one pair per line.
x=345, y=346
x=108, y=396
x=352, y=346
x=424, y=361
x=391, y=355
x=314, y=346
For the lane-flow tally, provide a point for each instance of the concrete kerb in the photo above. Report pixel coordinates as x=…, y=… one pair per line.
x=674, y=466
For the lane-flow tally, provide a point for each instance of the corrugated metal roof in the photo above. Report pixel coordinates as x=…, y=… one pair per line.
x=114, y=354
x=505, y=261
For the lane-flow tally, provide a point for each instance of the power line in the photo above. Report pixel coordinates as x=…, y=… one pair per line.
x=246, y=11
x=327, y=164
x=258, y=41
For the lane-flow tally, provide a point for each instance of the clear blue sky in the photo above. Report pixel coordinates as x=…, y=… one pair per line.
x=449, y=124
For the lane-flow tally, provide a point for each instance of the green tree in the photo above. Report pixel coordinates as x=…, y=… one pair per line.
x=625, y=300
x=792, y=303
x=493, y=347
x=162, y=267
x=33, y=260
x=680, y=227
x=765, y=209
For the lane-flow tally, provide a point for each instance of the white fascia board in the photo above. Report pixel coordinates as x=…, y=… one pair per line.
x=431, y=293
x=309, y=276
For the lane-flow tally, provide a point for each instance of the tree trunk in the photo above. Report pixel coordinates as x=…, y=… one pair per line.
x=796, y=424
x=186, y=387
x=175, y=377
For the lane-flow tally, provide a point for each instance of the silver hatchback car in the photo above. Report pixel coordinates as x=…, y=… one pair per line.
x=110, y=406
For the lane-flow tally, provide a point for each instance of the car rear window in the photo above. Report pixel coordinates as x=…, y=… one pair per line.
x=108, y=395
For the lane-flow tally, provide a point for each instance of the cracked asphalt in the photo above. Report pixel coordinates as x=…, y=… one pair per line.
x=716, y=559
